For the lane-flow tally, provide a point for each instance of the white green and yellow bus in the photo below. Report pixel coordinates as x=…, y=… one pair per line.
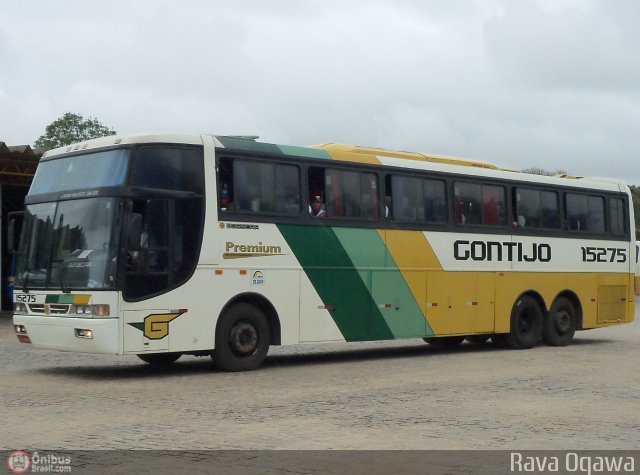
x=160, y=246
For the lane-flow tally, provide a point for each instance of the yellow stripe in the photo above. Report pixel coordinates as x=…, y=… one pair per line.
x=353, y=157
x=410, y=250
x=413, y=257
x=81, y=299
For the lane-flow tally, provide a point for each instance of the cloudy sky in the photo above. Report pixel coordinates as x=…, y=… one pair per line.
x=520, y=83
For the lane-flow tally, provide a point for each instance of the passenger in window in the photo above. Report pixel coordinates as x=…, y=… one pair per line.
x=226, y=204
x=316, y=207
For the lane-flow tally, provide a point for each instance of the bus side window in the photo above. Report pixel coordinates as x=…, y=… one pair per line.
x=585, y=213
x=468, y=199
x=420, y=199
x=262, y=187
x=616, y=217
x=493, y=205
x=351, y=194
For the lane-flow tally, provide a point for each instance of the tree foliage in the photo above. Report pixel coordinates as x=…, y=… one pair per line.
x=542, y=171
x=71, y=128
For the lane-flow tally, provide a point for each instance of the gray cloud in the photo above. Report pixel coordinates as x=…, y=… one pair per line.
x=545, y=83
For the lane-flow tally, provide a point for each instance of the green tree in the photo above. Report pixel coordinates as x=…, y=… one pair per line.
x=71, y=128
x=542, y=171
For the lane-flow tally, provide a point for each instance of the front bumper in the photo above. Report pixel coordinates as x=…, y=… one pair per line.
x=60, y=333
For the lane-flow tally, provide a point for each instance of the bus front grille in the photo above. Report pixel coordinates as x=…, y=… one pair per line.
x=49, y=309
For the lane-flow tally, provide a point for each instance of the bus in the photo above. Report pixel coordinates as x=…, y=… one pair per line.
x=161, y=246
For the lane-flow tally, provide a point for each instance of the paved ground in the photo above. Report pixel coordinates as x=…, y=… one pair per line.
x=398, y=395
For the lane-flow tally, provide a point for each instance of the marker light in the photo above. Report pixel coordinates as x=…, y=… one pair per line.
x=84, y=333
x=20, y=329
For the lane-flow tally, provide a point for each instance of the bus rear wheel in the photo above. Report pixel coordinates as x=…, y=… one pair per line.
x=160, y=359
x=561, y=323
x=242, y=338
x=526, y=323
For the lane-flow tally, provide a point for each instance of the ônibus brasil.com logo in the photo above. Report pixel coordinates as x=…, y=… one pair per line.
x=20, y=461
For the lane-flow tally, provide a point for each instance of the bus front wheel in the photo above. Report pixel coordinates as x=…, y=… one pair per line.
x=242, y=338
x=561, y=323
x=526, y=323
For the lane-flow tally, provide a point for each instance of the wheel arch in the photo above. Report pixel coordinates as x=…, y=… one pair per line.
x=267, y=308
x=573, y=298
x=537, y=297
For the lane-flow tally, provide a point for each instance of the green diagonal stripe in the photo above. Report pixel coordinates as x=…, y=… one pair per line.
x=338, y=283
x=379, y=272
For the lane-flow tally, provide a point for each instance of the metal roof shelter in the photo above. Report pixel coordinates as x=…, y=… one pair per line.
x=17, y=167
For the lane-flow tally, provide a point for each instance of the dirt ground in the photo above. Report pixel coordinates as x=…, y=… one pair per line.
x=389, y=395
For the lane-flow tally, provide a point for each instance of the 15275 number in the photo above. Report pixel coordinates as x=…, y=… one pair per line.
x=604, y=254
x=25, y=298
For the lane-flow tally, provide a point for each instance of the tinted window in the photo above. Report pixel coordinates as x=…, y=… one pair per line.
x=585, y=213
x=480, y=204
x=266, y=187
x=168, y=168
x=91, y=170
x=418, y=199
x=351, y=194
x=616, y=216
x=169, y=246
x=536, y=209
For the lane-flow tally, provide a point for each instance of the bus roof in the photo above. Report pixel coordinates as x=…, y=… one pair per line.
x=380, y=152
x=348, y=153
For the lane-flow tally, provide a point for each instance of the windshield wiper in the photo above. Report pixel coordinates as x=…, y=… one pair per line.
x=63, y=285
x=26, y=281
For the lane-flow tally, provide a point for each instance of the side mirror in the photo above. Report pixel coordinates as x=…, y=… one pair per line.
x=12, y=239
x=134, y=233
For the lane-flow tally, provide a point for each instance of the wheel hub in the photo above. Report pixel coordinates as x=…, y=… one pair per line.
x=243, y=338
x=562, y=321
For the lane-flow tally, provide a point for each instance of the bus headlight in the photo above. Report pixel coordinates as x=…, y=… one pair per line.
x=98, y=310
x=20, y=308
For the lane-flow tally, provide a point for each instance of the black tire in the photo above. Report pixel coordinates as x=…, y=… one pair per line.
x=561, y=323
x=500, y=340
x=478, y=339
x=448, y=341
x=242, y=338
x=526, y=324
x=160, y=359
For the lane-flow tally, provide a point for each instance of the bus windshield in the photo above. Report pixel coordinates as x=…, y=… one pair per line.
x=94, y=170
x=69, y=245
